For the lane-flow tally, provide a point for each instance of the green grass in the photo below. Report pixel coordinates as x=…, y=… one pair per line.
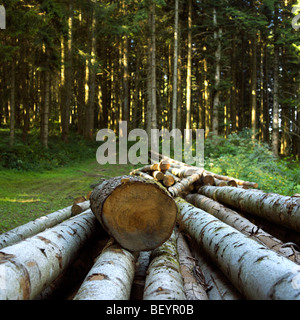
x=27, y=195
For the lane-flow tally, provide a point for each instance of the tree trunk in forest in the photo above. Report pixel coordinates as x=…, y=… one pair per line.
x=266, y=96
x=89, y=125
x=164, y=280
x=111, y=276
x=153, y=70
x=175, y=66
x=148, y=80
x=126, y=115
x=45, y=110
x=240, y=223
x=233, y=108
x=139, y=213
x=253, y=84
x=275, y=132
x=189, y=73
x=12, y=103
x=273, y=207
x=216, y=98
x=66, y=102
x=30, y=265
x=244, y=261
x=194, y=290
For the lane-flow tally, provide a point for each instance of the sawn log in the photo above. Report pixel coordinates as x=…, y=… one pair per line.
x=138, y=213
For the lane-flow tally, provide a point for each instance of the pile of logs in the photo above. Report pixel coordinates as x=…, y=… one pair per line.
x=165, y=231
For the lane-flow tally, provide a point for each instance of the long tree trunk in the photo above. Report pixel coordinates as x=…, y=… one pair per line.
x=189, y=72
x=273, y=207
x=126, y=114
x=244, y=261
x=253, y=85
x=67, y=88
x=266, y=96
x=89, y=126
x=164, y=280
x=175, y=66
x=153, y=70
x=33, y=227
x=45, y=110
x=240, y=223
x=30, y=265
x=149, y=76
x=12, y=103
x=194, y=289
x=218, y=286
x=216, y=98
x=139, y=213
x=275, y=131
x=111, y=276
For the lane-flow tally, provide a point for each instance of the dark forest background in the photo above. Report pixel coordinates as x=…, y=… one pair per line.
x=218, y=65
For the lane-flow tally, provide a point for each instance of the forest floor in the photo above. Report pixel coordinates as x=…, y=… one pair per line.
x=25, y=196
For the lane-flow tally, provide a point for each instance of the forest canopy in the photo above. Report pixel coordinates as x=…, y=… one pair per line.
x=84, y=65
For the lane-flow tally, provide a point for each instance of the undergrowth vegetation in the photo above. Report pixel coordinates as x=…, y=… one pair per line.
x=30, y=155
x=237, y=156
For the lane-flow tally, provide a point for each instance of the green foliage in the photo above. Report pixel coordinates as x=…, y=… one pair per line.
x=240, y=158
x=32, y=156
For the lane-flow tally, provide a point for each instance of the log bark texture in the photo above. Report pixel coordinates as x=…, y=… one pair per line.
x=34, y=227
x=137, y=290
x=242, y=224
x=164, y=280
x=111, y=276
x=218, y=286
x=282, y=210
x=194, y=288
x=138, y=213
x=27, y=267
x=183, y=185
x=256, y=271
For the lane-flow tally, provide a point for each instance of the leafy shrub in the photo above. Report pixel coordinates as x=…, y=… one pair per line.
x=32, y=156
x=239, y=157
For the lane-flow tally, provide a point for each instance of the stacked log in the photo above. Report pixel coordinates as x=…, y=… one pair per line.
x=165, y=231
x=138, y=213
x=29, y=266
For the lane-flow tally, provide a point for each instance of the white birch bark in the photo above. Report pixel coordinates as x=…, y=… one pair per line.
x=256, y=271
x=242, y=224
x=111, y=276
x=218, y=286
x=27, y=267
x=194, y=290
x=164, y=280
x=282, y=210
x=33, y=227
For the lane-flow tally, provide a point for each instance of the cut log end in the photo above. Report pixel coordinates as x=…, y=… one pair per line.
x=139, y=214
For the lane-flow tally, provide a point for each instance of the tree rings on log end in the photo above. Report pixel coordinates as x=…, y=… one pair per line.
x=140, y=214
